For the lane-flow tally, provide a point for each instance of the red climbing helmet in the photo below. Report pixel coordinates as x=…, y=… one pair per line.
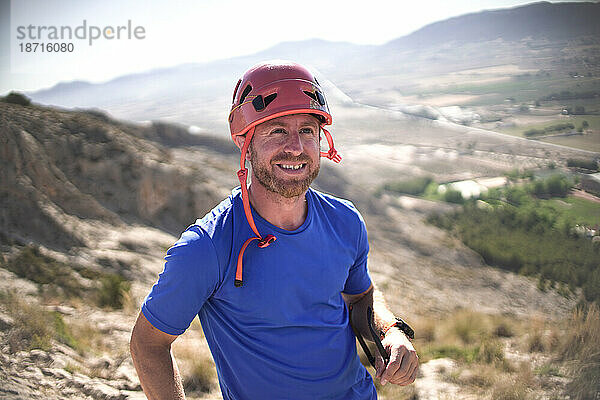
x=273, y=89
x=266, y=91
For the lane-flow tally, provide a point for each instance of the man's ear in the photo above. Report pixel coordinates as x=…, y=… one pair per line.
x=239, y=141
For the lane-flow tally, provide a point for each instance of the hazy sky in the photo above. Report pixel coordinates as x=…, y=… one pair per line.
x=182, y=31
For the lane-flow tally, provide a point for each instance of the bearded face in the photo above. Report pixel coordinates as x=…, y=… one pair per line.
x=285, y=154
x=269, y=172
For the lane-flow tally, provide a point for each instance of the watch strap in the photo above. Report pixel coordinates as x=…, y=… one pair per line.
x=400, y=324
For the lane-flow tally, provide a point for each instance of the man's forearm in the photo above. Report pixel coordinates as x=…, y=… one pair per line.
x=403, y=360
x=157, y=371
x=382, y=316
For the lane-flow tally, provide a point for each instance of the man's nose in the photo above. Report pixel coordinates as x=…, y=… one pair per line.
x=293, y=143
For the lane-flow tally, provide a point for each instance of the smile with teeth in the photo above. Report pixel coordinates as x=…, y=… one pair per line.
x=292, y=167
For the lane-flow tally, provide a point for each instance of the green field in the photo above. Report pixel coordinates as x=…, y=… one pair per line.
x=577, y=120
x=577, y=210
x=590, y=141
x=525, y=88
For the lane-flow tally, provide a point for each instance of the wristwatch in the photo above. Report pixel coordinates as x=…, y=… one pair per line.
x=403, y=326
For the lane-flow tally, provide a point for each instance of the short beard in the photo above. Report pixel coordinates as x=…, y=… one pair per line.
x=286, y=188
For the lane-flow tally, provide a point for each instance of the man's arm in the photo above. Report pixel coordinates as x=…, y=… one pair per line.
x=404, y=362
x=153, y=361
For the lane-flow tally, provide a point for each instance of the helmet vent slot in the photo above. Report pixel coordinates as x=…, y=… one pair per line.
x=316, y=96
x=320, y=98
x=245, y=93
x=310, y=94
x=258, y=103
x=270, y=98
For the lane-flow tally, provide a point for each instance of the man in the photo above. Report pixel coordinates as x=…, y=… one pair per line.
x=274, y=308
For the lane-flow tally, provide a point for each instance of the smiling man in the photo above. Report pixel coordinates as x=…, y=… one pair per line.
x=274, y=270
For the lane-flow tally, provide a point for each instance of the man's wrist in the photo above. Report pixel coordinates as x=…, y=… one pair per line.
x=400, y=325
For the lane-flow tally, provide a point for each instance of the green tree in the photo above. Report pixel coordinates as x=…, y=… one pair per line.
x=453, y=196
x=557, y=185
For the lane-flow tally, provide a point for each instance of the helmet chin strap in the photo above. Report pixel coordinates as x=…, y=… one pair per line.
x=243, y=178
x=242, y=174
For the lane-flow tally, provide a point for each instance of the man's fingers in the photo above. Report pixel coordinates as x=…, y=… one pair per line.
x=413, y=375
x=396, y=357
x=406, y=380
x=379, y=366
x=407, y=373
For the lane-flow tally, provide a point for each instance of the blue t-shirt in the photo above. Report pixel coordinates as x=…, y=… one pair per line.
x=285, y=333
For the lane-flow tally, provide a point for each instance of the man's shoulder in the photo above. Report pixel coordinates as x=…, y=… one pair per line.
x=219, y=217
x=337, y=207
x=213, y=232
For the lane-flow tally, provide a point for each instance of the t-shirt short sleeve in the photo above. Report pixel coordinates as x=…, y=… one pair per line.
x=190, y=276
x=358, y=277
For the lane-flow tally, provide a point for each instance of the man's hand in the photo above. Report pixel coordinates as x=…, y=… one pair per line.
x=404, y=362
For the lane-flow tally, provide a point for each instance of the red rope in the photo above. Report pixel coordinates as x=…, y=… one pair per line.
x=332, y=154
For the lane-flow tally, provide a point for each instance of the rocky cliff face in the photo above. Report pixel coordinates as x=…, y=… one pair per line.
x=85, y=165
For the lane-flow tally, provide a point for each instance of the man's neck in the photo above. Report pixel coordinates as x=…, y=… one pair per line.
x=283, y=212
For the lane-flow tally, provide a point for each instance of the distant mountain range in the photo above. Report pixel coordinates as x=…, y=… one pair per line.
x=543, y=20
x=200, y=94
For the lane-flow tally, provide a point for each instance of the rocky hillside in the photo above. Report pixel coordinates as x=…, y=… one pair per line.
x=82, y=164
x=89, y=205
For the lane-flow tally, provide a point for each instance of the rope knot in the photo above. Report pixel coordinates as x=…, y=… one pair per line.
x=266, y=241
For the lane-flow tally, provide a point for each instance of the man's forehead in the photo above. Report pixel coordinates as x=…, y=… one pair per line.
x=294, y=118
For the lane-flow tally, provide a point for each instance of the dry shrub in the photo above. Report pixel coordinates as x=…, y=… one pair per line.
x=58, y=281
x=16, y=98
x=114, y=290
x=580, y=348
x=503, y=329
x=469, y=326
x=32, y=328
x=89, y=337
x=425, y=329
x=395, y=392
x=535, y=343
x=195, y=362
x=509, y=389
x=201, y=377
x=516, y=386
x=491, y=352
x=484, y=376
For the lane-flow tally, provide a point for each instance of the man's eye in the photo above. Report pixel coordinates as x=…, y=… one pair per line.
x=278, y=130
x=308, y=131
